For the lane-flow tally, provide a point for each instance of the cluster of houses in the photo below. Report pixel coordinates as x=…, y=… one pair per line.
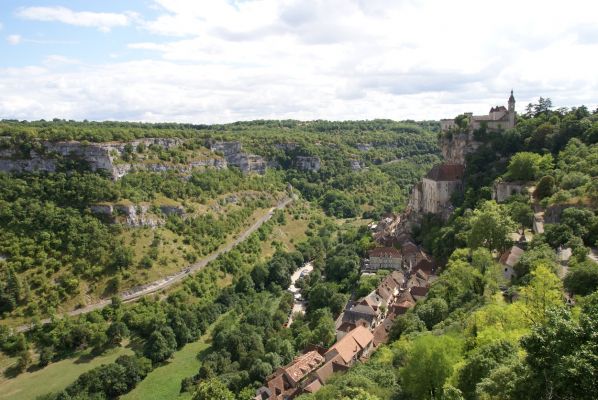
x=363, y=325
x=308, y=372
x=411, y=272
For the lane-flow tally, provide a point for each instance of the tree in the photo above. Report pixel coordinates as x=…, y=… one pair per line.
x=158, y=347
x=481, y=362
x=490, y=227
x=582, y=278
x=561, y=354
x=522, y=214
x=117, y=332
x=432, y=357
x=432, y=311
x=213, y=389
x=405, y=324
x=545, y=187
x=544, y=292
x=525, y=166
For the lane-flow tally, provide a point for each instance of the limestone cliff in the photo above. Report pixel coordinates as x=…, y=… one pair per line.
x=233, y=154
x=455, y=147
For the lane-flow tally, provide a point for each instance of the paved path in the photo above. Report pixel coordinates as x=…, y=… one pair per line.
x=141, y=291
x=298, y=305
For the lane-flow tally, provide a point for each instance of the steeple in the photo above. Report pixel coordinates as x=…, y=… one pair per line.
x=511, y=110
x=511, y=102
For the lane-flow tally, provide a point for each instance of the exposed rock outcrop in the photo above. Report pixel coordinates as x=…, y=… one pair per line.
x=99, y=156
x=456, y=146
x=232, y=152
x=135, y=215
x=308, y=163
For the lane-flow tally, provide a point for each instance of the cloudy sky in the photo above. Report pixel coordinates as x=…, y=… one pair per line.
x=224, y=60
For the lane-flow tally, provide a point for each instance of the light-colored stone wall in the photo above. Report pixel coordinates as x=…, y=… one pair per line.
x=501, y=191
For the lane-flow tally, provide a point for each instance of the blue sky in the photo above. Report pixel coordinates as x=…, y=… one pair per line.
x=221, y=61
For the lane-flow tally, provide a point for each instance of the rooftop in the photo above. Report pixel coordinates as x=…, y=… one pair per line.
x=446, y=172
x=303, y=365
x=390, y=252
x=352, y=343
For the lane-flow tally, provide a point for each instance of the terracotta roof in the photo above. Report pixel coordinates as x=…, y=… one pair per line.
x=511, y=256
x=313, y=387
x=419, y=291
x=426, y=266
x=352, y=343
x=390, y=252
x=409, y=248
x=446, y=172
x=334, y=365
x=303, y=365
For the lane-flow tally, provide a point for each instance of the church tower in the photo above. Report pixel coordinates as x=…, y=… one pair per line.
x=511, y=110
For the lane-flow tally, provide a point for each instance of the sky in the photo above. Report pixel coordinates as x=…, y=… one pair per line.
x=212, y=61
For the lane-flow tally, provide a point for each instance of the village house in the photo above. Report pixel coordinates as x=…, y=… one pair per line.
x=286, y=381
x=508, y=260
x=384, y=258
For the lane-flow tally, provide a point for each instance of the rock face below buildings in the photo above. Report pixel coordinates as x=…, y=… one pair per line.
x=233, y=154
x=456, y=147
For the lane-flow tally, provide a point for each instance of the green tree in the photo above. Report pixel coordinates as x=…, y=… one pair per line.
x=545, y=187
x=490, y=227
x=544, y=292
x=432, y=311
x=582, y=278
x=213, y=389
x=432, y=357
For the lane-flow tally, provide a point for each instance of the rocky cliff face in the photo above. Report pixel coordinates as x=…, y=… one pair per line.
x=456, y=147
x=234, y=155
x=99, y=156
x=307, y=163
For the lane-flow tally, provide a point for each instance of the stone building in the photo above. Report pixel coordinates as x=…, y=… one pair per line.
x=433, y=193
x=385, y=258
x=501, y=191
x=498, y=119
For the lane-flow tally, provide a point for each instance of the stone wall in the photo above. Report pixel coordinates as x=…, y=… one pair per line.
x=501, y=191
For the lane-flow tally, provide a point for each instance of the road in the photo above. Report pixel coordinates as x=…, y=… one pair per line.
x=136, y=293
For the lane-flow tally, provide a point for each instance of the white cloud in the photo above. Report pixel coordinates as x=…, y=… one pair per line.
x=337, y=59
x=14, y=39
x=100, y=20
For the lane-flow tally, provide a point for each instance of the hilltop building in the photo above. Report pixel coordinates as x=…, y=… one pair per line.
x=499, y=118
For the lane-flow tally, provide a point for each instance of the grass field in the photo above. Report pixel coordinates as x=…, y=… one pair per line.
x=164, y=382
x=55, y=377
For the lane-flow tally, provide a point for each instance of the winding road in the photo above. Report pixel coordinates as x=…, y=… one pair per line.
x=136, y=293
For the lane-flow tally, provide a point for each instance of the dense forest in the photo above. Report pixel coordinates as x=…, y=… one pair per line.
x=475, y=336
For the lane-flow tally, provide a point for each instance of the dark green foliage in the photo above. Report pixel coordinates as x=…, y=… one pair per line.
x=582, y=278
x=109, y=381
x=545, y=187
x=561, y=354
x=481, y=362
x=432, y=311
x=405, y=324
